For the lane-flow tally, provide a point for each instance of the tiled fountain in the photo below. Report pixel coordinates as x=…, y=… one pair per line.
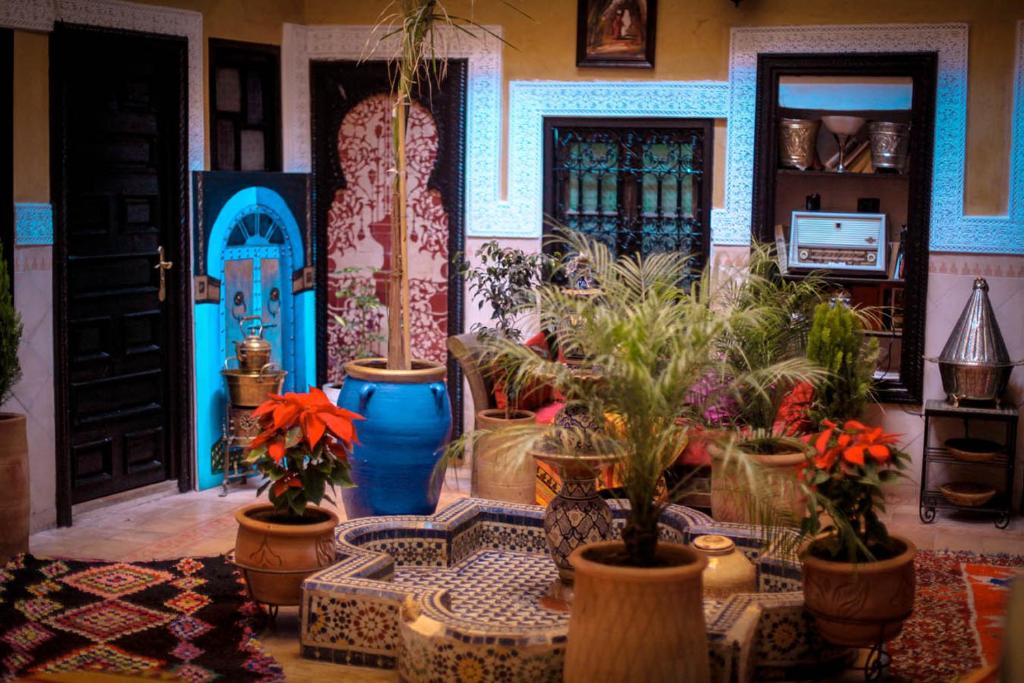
x=456, y=597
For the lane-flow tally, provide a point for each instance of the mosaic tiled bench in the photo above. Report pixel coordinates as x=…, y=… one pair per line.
x=454, y=597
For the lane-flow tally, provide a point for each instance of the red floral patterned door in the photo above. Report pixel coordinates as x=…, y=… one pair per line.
x=352, y=158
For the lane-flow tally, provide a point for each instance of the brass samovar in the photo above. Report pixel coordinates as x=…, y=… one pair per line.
x=248, y=386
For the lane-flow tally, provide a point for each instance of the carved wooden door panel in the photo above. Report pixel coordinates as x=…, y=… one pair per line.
x=120, y=185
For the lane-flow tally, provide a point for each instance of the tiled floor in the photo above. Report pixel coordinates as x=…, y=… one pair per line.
x=203, y=523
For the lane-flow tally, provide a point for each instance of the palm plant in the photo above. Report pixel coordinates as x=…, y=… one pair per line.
x=648, y=340
x=777, y=336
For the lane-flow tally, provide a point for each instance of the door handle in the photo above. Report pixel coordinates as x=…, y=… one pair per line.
x=162, y=267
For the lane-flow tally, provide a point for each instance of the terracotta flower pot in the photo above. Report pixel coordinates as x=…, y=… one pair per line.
x=860, y=604
x=730, y=492
x=275, y=558
x=14, y=504
x=492, y=476
x=633, y=624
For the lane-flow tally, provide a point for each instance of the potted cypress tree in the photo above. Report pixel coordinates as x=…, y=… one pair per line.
x=13, y=437
x=505, y=279
x=837, y=343
x=303, y=447
x=648, y=341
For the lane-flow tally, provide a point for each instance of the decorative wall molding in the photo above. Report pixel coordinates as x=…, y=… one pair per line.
x=951, y=230
x=521, y=215
x=29, y=15
x=40, y=15
x=300, y=44
x=33, y=224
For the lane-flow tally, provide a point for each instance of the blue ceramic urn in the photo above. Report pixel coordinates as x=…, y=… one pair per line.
x=408, y=424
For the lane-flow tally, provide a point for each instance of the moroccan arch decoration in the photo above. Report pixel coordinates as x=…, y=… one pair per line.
x=352, y=158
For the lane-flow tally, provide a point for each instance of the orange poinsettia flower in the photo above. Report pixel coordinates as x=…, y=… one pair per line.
x=872, y=442
x=313, y=412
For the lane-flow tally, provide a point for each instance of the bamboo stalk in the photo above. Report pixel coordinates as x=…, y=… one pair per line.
x=398, y=289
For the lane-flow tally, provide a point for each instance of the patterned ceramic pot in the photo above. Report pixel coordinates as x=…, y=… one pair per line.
x=275, y=558
x=863, y=604
x=407, y=426
x=637, y=624
x=578, y=514
x=493, y=476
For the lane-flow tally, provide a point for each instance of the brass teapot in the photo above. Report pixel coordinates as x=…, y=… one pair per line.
x=253, y=352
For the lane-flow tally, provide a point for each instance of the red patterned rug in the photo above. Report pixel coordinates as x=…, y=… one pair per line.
x=189, y=619
x=959, y=609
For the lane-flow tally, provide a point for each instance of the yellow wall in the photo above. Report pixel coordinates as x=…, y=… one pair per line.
x=31, y=118
x=692, y=44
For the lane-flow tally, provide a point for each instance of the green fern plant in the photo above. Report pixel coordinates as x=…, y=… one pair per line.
x=10, y=334
x=648, y=341
x=838, y=344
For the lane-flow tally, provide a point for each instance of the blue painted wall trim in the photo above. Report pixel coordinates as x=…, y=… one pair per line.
x=33, y=224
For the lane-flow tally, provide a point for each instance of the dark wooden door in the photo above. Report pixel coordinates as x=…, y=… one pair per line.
x=119, y=179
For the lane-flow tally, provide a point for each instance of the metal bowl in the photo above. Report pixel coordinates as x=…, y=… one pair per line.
x=974, y=382
x=249, y=389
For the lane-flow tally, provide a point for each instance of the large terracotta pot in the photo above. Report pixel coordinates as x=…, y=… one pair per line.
x=275, y=558
x=632, y=624
x=730, y=492
x=492, y=476
x=860, y=604
x=14, y=503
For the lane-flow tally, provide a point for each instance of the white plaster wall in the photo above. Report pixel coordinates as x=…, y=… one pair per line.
x=33, y=395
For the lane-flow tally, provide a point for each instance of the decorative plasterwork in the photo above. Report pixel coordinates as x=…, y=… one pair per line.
x=154, y=19
x=33, y=224
x=40, y=15
x=30, y=15
x=951, y=230
x=300, y=44
x=531, y=101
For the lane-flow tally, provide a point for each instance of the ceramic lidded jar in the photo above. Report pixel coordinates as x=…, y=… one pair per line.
x=728, y=571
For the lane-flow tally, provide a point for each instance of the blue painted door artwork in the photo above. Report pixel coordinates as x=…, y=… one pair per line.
x=255, y=261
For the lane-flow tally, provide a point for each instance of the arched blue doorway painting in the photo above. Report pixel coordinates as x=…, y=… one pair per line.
x=253, y=258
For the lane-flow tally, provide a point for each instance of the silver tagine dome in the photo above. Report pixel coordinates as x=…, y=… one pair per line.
x=974, y=364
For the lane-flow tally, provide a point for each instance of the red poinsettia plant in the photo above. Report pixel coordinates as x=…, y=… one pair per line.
x=303, y=447
x=843, y=477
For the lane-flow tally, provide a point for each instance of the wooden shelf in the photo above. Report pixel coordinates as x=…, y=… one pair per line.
x=794, y=172
x=845, y=279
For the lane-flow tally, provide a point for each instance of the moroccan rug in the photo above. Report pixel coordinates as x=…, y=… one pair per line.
x=959, y=610
x=186, y=619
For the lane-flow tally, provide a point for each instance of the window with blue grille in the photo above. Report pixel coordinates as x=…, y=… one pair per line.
x=639, y=185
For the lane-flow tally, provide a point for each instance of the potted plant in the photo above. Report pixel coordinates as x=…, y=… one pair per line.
x=769, y=415
x=361, y=324
x=504, y=279
x=837, y=343
x=858, y=578
x=405, y=400
x=303, y=447
x=13, y=437
x=647, y=340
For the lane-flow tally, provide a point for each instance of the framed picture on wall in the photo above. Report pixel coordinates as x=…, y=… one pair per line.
x=616, y=33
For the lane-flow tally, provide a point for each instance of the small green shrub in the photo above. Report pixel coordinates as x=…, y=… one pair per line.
x=10, y=334
x=838, y=344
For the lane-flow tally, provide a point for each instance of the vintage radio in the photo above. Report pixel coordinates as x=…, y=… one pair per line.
x=853, y=242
